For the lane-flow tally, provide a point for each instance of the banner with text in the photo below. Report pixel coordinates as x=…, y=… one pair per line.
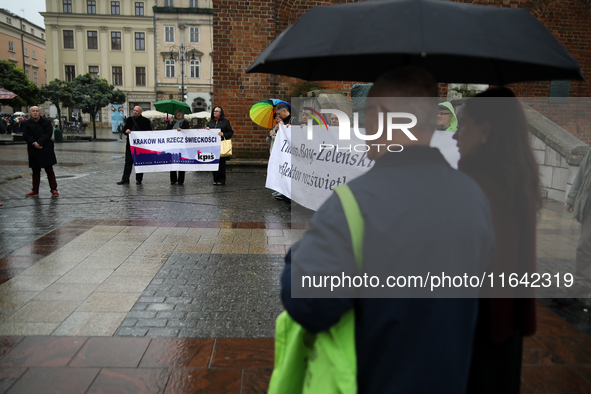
x=308, y=170
x=171, y=150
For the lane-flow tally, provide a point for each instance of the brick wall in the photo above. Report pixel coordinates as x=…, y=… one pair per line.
x=243, y=29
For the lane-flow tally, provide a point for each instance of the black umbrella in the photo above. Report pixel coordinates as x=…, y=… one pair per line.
x=456, y=42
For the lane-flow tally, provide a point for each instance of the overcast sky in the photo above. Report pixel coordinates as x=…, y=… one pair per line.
x=30, y=7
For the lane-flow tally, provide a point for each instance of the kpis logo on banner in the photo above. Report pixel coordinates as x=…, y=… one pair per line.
x=204, y=157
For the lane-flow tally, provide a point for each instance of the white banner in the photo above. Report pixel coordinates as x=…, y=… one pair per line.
x=171, y=150
x=307, y=171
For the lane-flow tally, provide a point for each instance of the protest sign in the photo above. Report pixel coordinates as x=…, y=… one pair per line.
x=171, y=150
x=308, y=170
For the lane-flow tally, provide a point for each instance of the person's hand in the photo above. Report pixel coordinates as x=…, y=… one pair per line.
x=569, y=208
x=221, y=134
x=127, y=131
x=207, y=128
x=179, y=129
x=271, y=132
x=36, y=145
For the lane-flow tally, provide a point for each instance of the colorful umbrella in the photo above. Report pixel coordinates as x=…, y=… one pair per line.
x=171, y=106
x=6, y=94
x=262, y=112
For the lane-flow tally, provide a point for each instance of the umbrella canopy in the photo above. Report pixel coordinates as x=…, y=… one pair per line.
x=199, y=115
x=171, y=106
x=262, y=112
x=19, y=113
x=455, y=42
x=7, y=94
x=154, y=114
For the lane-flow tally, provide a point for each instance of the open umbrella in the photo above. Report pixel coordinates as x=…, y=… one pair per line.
x=153, y=114
x=262, y=112
x=199, y=115
x=19, y=113
x=171, y=106
x=455, y=42
x=7, y=94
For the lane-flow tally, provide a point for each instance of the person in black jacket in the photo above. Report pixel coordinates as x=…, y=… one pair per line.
x=37, y=132
x=178, y=123
x=218, y=121
x=134, y=123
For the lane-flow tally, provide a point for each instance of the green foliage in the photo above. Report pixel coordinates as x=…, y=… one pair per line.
x=465, y=90
x=91, y=94
x=59, y=93
x=15, y=80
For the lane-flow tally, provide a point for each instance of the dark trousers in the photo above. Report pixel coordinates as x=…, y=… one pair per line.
x=129, y=165
x=50, y=178
x=495, y=367
x=180, y=178
x=220, y=174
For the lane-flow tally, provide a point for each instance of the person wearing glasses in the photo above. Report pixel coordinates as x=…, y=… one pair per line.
x=442, y=139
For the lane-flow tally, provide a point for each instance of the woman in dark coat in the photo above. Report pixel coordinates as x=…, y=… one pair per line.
x=178, y=123
x=218, y=121
x=494, y=147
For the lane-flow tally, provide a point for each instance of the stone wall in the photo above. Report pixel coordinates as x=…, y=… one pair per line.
x=558, y=153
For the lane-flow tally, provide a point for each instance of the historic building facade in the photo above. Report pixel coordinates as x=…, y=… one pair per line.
x=183, y=51
x=110, y=39
x=23, y=43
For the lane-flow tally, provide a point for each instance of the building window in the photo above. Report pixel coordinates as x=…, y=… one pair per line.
x=118, y=76
x=115, y=40
x=115, y=8
x=35, y=77
x=43, y=36
x=26, y=49
x=93, y=71
x=28, y=73
x=168, y=33
x=169, y=68
x=194, y=35
x=193, y=3
x=140, y=76
x=67, y=6
x=194, y=68
x=140, y=41
x=34, y=54
x=168, y=3
x=92, y=37
x=69, y=39
x=8, y=20
x=10, y=46
x=70, y=73
x=33, y=31
x=24, y=28
x=139, y=9
x=90, y=6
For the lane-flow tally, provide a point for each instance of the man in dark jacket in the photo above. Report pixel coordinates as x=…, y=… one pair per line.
x=421, y=217
x=134, y=123
x=37, y=132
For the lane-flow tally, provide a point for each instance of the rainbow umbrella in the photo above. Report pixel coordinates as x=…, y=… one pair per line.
x=262, y=112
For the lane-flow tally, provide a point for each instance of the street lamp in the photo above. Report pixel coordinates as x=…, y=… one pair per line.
x=182, y=53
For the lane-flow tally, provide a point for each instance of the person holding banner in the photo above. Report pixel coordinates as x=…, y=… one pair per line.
x=134, y=123
x=219, y=121
x=179, y=123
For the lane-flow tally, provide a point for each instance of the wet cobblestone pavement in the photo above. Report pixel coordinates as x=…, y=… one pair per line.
x=168, y=288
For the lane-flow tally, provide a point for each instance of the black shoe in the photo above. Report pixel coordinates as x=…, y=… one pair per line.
x=123, y=183
x=174, y=183
x=180, y=183
x=138, y=182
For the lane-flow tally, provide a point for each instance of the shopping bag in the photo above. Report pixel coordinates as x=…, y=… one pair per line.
x=226, y=148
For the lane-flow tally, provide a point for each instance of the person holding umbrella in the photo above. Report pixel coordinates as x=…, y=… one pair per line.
x=219, y=121
x=178, y=123
x=493, y=139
